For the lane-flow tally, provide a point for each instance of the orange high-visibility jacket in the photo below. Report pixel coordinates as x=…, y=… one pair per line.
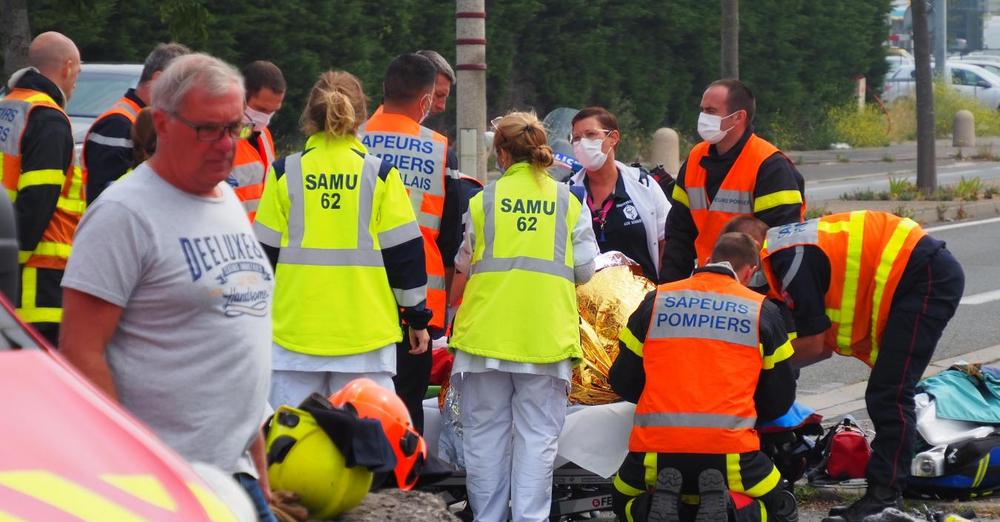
x=250, y=170
x=868, y=252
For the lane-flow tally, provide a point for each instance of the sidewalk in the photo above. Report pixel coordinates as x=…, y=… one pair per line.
x=896, y=152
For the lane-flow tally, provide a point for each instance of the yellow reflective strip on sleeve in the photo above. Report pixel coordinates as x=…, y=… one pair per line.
x=214, y=508
x=680, y=196
x=33, y=178
x=763, y=487
x=12, y=194
x=733, y=475
x=782, y=353
x=763, y=511
x=649, y=466
x=776, y=199
x=793, y=336
x=852, y=272
x=143, y=487
x=889, y=255
x=984, y=465
x=626, y=489
x=629, y=340
x=29, y=286
x=73, y=206
x=628, y=510
x=23, y=256
x=67, y=496
x=53, y=249
x=40, y=315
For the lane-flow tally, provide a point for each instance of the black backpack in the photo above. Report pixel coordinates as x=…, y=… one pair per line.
x=971, y=470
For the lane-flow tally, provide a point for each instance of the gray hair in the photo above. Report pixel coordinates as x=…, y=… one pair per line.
x=442, y=65
x=188, y=71
x=160, y=57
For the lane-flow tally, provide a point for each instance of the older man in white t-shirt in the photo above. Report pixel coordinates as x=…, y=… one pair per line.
x=167, y=292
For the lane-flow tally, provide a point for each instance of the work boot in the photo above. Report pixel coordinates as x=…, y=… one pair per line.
x=877, y=498
x=666, y=497
x=714, y=497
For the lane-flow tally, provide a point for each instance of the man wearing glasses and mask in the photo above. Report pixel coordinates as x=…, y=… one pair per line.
x=733, y=172
x=168, y=293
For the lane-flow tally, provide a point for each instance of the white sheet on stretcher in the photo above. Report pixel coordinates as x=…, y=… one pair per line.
x=593, y=437
x=940, y=432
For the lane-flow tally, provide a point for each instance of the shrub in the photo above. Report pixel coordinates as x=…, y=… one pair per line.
x=866, y=128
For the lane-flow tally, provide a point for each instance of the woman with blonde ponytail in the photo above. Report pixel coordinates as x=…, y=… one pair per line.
x=528, y=243
x=337, y=224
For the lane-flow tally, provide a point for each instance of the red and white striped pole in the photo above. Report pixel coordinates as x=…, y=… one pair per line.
x=470, y=66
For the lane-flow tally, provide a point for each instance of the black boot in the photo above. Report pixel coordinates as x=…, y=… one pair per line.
x=714, y=503
x=666, y=500
x=877, y=498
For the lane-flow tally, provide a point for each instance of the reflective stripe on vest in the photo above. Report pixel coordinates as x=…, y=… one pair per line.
x=556, y=266
x=735, y=196
x=55, y=245
x=868, y=252
x=703, y=344
x=364, y=255
x=249, y=172
x=420, y=155
x=123, y=107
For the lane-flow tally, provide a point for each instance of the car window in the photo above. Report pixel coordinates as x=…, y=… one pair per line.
x=95, y=92
x=963, y=77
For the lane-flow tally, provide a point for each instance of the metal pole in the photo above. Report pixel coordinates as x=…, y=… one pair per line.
x=470, y=53
x=926, y=176
x=940, y=37
x=730, y=63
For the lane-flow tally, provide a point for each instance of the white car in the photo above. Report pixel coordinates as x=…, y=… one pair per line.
x=968, y=79
x=98, y=87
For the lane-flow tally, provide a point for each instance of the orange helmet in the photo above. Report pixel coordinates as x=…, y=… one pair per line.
x=375, y=402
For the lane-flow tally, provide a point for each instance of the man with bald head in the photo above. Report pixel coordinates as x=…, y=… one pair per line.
x=36, y=141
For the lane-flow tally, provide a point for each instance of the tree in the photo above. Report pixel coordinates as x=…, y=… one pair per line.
x=16, y=36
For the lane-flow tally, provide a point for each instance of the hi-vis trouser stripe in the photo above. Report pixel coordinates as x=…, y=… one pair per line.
x=365, y=254
x=555, y=266
x=29, y=310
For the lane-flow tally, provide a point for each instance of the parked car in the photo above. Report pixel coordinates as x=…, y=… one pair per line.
x=989, y=62
x=98, y=87
x=968, y=79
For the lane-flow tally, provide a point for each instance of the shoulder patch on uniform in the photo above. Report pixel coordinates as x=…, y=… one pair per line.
x=579, y=192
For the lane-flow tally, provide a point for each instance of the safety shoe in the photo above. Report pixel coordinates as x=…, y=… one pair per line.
x=666, y=497
x=876, y=499
x=714, y=497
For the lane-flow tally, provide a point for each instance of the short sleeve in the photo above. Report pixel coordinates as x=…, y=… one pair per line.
x=271, y=220
x=584, y=243
x=111, y=250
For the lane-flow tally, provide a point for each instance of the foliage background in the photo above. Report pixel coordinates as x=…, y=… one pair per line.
x=646, y=60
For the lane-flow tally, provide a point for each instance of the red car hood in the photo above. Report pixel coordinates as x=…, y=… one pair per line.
x=69, y=453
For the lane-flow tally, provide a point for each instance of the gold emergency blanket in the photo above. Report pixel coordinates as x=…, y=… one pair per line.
x=605, y=303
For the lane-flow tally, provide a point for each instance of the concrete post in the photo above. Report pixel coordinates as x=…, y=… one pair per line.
x=964, y=134
x=470, y=66
x=860, y=86
x=940, y=45
x=666, y=150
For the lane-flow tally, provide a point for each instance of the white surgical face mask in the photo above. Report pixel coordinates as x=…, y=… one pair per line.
x=710, y=127
x=588, y=153
x=258, y=118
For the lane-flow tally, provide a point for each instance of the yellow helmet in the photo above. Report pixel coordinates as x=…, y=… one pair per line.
x=301, y=458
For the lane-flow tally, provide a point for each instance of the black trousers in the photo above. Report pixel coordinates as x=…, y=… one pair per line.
x=752, y=474
x=39, y=301
x=413, y=373
x=917, y=317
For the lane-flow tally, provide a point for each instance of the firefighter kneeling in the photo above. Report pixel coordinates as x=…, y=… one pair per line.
x=717, y=356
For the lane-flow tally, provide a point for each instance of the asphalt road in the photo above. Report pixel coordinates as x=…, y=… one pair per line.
x=830, y=181
x=975, y=326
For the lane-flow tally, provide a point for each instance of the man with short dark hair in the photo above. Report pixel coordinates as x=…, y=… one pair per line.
x=265, y=86
x=395, y=134
x=732, y=172
x=107, y=148
x=719, y=353
x=442, y=84
x=41, y=178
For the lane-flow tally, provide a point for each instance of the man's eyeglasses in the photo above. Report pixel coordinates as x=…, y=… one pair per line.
x=592, y=134
x=238, y=130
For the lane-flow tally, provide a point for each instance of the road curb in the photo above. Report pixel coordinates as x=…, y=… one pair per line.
x=923, y=212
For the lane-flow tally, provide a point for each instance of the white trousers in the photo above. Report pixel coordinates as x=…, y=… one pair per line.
x=291, y=387
x=511, y=423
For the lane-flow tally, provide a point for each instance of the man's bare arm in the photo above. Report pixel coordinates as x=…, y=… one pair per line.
x=87, y=325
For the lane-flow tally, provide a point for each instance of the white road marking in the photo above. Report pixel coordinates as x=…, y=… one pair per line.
x=962, y=225
x=977, y=299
